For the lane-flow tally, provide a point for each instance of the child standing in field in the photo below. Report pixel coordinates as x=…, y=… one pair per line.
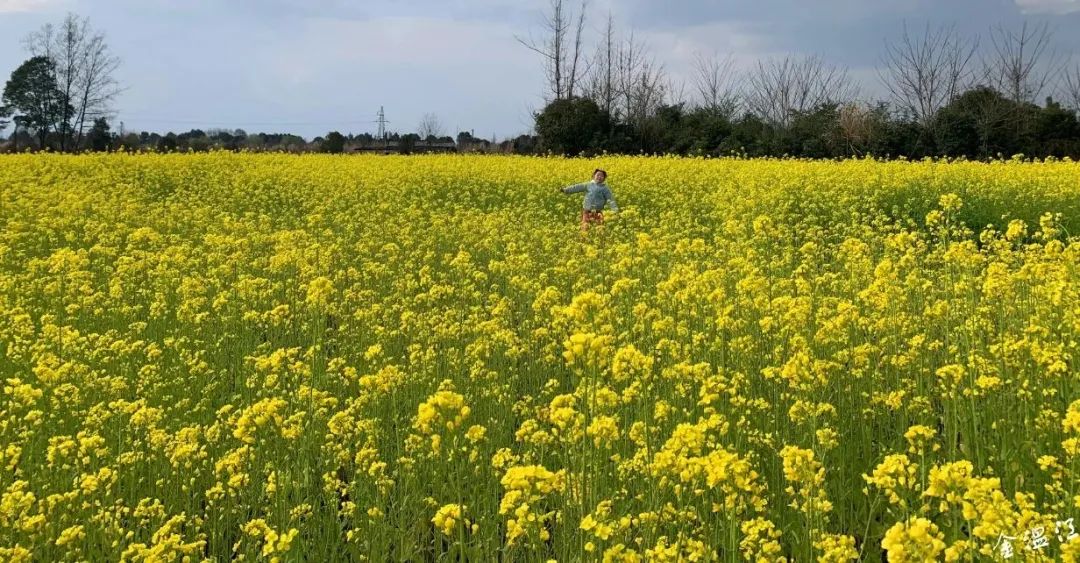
x=597, y=194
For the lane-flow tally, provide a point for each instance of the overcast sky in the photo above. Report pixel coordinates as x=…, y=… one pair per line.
x=310, y=66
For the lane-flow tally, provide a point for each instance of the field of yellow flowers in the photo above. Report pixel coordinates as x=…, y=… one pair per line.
x=320, y=358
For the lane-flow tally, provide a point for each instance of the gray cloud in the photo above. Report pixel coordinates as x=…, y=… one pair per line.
x=14, y=6
x=1048, y=6
x=846, y=32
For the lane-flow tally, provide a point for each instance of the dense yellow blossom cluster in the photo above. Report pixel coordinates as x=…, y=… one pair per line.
x=318, y=358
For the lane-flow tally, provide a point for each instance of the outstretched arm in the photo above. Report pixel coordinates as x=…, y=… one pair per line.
x=576, y=188
x=611, y=201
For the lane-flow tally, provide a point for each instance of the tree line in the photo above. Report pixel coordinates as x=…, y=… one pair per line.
x=945, y=94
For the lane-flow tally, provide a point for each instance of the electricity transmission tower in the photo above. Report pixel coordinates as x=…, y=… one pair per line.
x=382, y=125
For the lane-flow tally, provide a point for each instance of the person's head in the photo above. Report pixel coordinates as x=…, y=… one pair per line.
x=599, y=175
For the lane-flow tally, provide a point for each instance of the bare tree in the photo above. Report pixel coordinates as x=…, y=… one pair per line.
x=1021, y=63
x=627, y=63
x=922, y=74
x=674, y=91
x=576, y=71
x=778, y=88
x=1071, y=86
x=639, y=80
x=717, y=84
x=603, y=80
x=564, y=64
x=84, y=73
x=97, y=86
x=429, y=127
x=650, y=88
x=642, y=84
x=552, y=47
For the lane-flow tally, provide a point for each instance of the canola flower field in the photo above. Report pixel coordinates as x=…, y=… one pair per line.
x=323, y=358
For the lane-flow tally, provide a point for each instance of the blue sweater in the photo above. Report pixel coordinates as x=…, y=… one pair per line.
x=596, y=195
